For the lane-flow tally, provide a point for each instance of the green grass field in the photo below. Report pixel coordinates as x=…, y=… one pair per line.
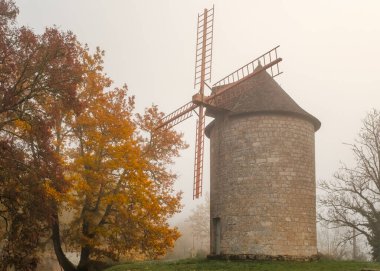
x=190, y=265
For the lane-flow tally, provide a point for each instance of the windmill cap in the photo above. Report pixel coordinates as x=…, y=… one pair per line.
x=261, y=94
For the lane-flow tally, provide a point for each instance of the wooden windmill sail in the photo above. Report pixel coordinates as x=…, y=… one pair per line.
x=220, y=94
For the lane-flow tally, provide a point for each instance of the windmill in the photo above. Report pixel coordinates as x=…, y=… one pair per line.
x=219, y=92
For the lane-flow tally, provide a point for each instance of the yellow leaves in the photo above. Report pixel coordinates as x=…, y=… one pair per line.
x=51, y=191
x=22, y=126
x=120, y=199
x=117, y=165
x=82, y=186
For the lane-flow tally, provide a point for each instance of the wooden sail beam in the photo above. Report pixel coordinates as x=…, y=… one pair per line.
x=250, y=67
x=176, y=116
x=185, y=111
x=208, y=100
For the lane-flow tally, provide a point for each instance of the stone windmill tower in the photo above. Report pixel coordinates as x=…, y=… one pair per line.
x=262, y=173
x=262, y=157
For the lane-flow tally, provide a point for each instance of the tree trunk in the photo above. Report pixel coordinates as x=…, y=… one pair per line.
x=84, y=259
x=85, y=250
x=376, y=252
x=374, y=242
x=61, y=257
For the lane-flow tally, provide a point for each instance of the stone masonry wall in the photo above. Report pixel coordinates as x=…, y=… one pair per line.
x=263, y=185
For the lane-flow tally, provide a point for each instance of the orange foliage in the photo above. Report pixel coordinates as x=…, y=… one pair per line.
x=35, y=69
x=122, y=191
x=69, y=142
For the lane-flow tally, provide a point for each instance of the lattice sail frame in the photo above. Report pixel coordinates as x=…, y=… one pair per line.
x=249, y=68
x=203, y=51
x=199, y=158
x=203, y=62
x=184, y=112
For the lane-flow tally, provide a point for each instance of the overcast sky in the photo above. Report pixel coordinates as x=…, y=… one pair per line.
x=330, y=51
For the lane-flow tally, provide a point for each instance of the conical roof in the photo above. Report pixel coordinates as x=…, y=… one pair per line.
x=261, y=94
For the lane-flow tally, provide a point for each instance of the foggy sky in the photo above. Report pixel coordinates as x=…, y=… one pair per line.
x=330, y=52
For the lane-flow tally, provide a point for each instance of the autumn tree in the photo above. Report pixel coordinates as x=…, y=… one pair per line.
x=33, y=69
x=122, y=192
x=352, y=197
x=71, y=144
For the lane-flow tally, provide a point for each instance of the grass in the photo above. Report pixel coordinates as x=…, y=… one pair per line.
x=193, y=264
